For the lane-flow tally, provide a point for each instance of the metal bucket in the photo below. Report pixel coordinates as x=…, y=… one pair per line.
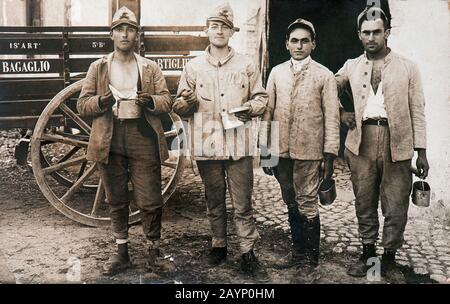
x=421, y=194
x=128, y=109
x=327, y=192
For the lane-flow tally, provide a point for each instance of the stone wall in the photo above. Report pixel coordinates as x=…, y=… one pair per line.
x=421, y=32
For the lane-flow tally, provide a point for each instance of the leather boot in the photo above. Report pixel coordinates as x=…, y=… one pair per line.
x=389, y=268
x=156, y=262
x=297, y=235
x=359, y=268
x=250, y=266
x=295, y=223
x=312, y=235
x=309, y=272
x=217, y=255
x=118, y=262
x=297, y=256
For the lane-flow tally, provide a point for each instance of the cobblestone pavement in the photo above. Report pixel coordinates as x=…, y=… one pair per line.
x=426, y=248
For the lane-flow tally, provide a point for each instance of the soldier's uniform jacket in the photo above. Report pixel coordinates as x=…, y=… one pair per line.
x=305, y=105
x=96, y=84
x=403, y=98
x=220, y=87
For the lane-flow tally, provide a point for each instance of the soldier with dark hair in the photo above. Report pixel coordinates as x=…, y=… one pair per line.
x=303, y=102
x=128, y=147
x=388, y=125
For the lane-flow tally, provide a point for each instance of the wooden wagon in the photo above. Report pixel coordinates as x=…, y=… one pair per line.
x=42, y=71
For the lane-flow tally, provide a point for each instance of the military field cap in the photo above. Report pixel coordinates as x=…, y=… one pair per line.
x=299, y=23
x=223, y=13
x=124, y=16
x=373, y=13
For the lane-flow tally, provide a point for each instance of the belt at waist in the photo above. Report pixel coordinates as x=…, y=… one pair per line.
x=125, y=119
x=375, y=122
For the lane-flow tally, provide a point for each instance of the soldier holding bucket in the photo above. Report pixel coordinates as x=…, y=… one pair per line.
x=387, y=127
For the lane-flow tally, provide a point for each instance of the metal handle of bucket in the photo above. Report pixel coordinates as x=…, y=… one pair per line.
x=420, y=197
x=416, y=172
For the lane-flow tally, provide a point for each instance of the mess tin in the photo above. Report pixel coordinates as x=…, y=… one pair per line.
x=128, y=109
x=327, y=192
x=421, y=194
x=421, y=191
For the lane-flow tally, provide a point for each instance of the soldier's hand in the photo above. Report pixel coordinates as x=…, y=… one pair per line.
x=107, y=100
x=189, y=96
x=145, y=100
x=268, y=170
x=244, y=116
x=265, y=155
x=348, y=118
x=422, y=165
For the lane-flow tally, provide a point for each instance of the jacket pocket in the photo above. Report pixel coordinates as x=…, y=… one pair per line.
x=205, y=90
x=239, y=88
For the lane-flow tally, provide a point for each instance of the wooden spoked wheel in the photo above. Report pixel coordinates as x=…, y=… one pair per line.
x=68, y=180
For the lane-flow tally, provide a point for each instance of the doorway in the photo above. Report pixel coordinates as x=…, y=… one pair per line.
x=335, y=24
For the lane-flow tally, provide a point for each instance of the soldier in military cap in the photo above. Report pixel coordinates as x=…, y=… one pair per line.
x=128, y=146
x=387, y=126
x=303, y=101
x=211, y=85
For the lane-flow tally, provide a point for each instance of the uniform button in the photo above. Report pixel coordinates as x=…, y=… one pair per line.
x=201, y=85
x=365, y=73
x=243, y=86
x=364, y=86
x=367, y=62
x=363, y=97
x=223, y=110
